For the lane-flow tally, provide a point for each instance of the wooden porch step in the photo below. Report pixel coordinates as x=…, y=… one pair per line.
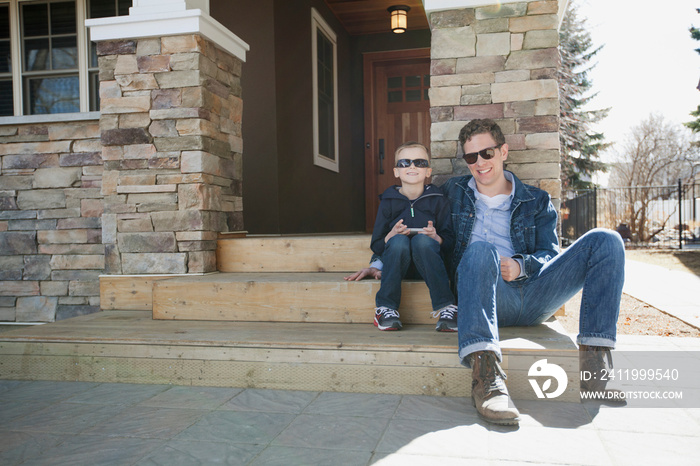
x=130, y=347
x=282, y=297
x=285, y=319
x=309, y=253
x=315, y=299
x=237, y=253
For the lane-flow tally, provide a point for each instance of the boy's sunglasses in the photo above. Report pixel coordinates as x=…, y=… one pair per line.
x=485, y=154
x=418, y=163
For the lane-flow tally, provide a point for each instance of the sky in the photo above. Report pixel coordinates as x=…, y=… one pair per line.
x=648, y=62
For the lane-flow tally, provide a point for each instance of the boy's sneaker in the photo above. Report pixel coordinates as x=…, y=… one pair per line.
x=386, y=319
x=448, y=319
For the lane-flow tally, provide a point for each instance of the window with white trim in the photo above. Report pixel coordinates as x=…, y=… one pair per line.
x=325, y=93
x=47, y=64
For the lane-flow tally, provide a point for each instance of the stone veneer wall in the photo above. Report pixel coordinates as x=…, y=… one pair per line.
x=144, y=191
x=171, y=130
x=51, y=251
x=498, y=62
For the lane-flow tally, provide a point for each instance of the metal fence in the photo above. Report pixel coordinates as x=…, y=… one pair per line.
x=645, y=216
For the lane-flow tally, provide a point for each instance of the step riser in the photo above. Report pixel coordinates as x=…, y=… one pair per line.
x=342, y=371
x=293, y=254
x=136, y=294
x=128, y=293
x=333, y=301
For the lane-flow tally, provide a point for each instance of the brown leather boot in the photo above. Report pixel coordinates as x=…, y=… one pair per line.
x=489, y=392
x=594, y=372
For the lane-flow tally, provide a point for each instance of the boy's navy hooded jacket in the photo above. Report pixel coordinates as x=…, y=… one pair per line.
x=431, y=205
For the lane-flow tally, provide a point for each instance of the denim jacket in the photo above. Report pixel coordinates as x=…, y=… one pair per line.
x=533, y=223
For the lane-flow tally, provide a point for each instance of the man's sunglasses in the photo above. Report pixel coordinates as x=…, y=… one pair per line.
x=485, y=154
x=418, y=163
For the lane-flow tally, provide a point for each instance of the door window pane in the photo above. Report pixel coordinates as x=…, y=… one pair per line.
x=413, y=81
x=394, y=82
x=395, y=96
x=403, y=89
x=413, y=95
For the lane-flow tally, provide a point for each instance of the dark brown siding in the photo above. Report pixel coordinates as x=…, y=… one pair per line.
x=283, y=191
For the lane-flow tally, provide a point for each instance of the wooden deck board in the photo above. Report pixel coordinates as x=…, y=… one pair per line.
x=282, y=297
x=137, y=327
x=322, y=253
x=131, y=347
x=128, y=291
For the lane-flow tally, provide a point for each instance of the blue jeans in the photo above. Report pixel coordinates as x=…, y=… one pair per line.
x=595, y=262
x=422, y=251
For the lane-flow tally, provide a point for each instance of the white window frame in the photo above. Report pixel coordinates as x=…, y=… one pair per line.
x=16, y=59
x=319, y=24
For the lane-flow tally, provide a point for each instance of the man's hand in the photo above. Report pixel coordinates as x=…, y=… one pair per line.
x=399, y=229
x=510, y=269
x=366, y=272
x=431, y=232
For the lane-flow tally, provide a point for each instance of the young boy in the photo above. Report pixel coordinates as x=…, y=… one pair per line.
x=412, y=233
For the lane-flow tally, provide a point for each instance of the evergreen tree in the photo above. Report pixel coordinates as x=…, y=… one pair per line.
x=695, y=124
x=580, y=145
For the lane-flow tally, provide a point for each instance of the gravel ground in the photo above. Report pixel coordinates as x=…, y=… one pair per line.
x=637, y=317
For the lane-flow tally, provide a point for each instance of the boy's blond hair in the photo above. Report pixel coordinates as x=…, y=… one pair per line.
x=410, y=145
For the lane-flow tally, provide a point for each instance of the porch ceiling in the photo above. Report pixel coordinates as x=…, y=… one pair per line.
x=371, y=16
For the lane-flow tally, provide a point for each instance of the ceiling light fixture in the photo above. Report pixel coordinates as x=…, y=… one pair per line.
x=399, y=15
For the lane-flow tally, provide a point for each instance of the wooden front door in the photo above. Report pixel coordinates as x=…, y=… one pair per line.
x=397, y=109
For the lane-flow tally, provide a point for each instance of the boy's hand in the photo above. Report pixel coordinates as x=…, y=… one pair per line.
x=431, y=232
x=510, y=269
x=399, y=229
x=366, y=272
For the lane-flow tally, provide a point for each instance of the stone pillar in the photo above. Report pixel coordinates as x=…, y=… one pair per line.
x=500, y=62
x=170, y=102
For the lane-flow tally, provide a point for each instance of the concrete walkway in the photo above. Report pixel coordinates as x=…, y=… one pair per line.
x=672, y=291
x=77, y=423
x=80, y=423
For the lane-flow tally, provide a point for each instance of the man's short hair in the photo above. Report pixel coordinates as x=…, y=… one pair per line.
x=410, y=145
x=481, y=126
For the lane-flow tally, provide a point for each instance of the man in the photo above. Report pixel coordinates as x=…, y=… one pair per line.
x=508, y=271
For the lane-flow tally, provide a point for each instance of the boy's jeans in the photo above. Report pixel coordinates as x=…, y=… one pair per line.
x=424, y=252
x=595, y=262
